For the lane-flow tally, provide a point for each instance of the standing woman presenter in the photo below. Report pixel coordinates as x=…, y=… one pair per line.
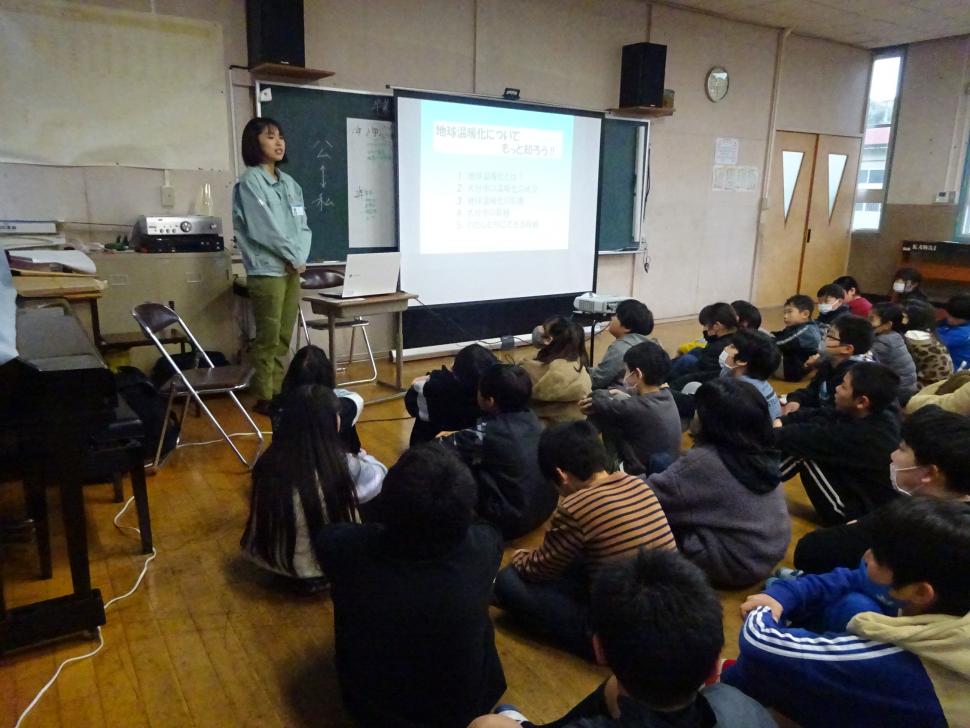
x=271, y=230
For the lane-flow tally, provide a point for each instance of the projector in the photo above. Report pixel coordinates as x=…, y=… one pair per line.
x=597, y=303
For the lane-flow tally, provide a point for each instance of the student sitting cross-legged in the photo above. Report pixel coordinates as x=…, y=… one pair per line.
x=889, y=347
x=719, y=322
x=831, y=305
x=955, y=333
x=641, y=422
x=883, y=670
x=857, y=303
x=930, y=355
x=559, y=374
x=752, y=357
x=933, y=459
x=630, y=325
x=414, y=645
x=843, y=453
x=501, y=452
x=656, y=623
x=800, y=340
x=602, y=516
x=721, y=497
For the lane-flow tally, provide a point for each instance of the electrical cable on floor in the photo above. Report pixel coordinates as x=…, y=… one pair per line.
x=96, y=650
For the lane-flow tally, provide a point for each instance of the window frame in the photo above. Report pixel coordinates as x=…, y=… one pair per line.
x=963, y=200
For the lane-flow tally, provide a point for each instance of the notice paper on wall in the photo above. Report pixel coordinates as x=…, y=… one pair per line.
x=370, y=183
x=726, y=150
x=735, y=178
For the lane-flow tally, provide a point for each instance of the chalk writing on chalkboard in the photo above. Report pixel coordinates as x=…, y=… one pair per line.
x=370, y=193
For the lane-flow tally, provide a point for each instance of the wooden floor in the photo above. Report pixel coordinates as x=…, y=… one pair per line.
x=205, y=641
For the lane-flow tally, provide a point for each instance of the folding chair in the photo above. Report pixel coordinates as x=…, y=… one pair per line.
x=314, y=280
x=194, y=383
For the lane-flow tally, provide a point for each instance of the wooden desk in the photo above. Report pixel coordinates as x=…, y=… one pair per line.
x=346, y=308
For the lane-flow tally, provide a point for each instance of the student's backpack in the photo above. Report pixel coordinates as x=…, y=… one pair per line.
x=144, y=398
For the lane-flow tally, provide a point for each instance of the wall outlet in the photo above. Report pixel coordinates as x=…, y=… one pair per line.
x=945, y=198
x=168, y=196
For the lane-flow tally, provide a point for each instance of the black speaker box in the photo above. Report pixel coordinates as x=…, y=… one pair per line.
x=642, y=74
x=274, y=32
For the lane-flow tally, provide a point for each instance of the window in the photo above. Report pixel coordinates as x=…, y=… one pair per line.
x=962, y=232
x=878, y=140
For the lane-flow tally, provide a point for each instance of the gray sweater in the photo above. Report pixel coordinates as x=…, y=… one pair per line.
x=609, y=372
x=643, y=425
x=890, y=350
x=731, y=532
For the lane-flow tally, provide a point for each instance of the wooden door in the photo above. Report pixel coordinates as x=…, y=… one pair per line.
x=786, y=218
x=826, y=250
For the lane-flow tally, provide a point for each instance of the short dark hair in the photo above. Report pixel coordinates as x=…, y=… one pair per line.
x=959, y=306
x=509, y=385
x=659, y=623
x=927, y=539
x=718, y=313
x=252, y=153
x=920, y=315
x=847, y=283
x=428, y=496
x=889, y=313
x=734, y=414
x=471, y=363
x=908, y=274
x=749, y=317
x=854, y=330
x=759, y=352
x=831, y=290
x=635, y=316
x=877, y=382
x=310, y=365
x=574, y=447
x=801, y=302
x=652, y=361
x=941, y=438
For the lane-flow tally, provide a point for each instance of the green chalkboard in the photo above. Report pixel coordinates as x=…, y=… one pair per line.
x=618, y=161
x=315, y=124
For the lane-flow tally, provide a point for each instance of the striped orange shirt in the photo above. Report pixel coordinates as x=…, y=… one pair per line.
x=611, y=518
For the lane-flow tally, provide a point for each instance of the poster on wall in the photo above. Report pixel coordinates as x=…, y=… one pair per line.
x=92, y=86
x=370, y=183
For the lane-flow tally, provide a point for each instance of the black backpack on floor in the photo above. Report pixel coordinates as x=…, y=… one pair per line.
x=144, y=398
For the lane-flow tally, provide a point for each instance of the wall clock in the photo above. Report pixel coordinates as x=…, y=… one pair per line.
x=716, y=84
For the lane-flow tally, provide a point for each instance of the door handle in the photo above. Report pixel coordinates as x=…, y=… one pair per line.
x=808, y=239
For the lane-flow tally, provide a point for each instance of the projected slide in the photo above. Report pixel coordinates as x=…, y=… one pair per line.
x=495, y=201
x=489, y=170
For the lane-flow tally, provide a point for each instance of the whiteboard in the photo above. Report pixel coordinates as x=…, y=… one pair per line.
x=370, y=182
x=91, y=86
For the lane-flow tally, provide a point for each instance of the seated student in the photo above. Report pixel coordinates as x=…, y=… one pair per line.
x=858, y=305
x=799, y=340
x=907, y=285
x=749, y=317
x=831, y=305
x=844, y=345
x=930, y=355
x=644, y=426
x=721, y=497
x=630, y=325
x=843, y=453
x=889, y=347
x=952, y=395
x=501, y=452
x=884, y=670
x=933, y=460
x=300, y=484
x=442, y=400
x=719, y=322
x=558, y=373
x=602, y=517
x=753, y=357
x=410, y=600
x=311, y=365
x=955, y=333
x=656, y=624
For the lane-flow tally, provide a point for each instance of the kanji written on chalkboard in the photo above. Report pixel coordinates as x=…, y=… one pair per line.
x=370, y=190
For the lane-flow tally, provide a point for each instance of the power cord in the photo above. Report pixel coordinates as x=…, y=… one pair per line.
x=92, y=653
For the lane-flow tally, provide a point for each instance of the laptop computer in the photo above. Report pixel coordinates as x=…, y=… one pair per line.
x=367, y=274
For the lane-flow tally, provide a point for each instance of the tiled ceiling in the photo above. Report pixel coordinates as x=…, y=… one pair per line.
x=867, y=23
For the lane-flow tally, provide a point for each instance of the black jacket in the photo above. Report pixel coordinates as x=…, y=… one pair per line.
x=708, y=363
x=820, y=392
x=440, y=404
x=854, y=453
x=502, y=452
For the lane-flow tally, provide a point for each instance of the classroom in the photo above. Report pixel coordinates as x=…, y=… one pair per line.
x=415, y=288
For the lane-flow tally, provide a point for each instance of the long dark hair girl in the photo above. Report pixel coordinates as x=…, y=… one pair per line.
x=305, y=459
x=567, y=341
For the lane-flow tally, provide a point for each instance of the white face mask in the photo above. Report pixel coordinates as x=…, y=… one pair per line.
x=826, y=307
x=899, y=286
x=723, y=360
x=892, y=478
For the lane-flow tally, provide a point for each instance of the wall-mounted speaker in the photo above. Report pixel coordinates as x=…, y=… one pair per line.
x=642, y=74
x=274, y=32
